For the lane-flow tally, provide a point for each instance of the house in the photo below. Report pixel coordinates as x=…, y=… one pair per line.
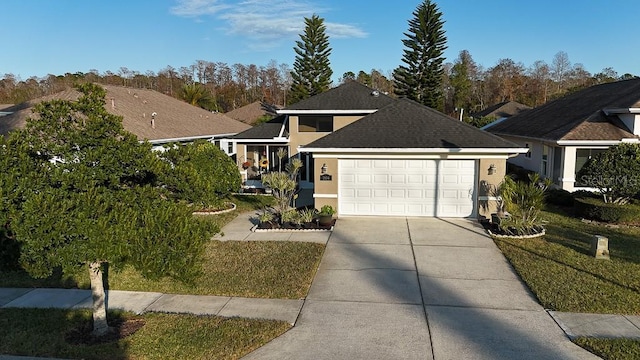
x=564, y=134
x=251, y=113
x=500, y=112
x=148, y=114
x=366, y=153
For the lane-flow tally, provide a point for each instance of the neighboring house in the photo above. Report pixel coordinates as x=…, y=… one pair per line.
x=366, y=153
x=500, y=112
x=148, y=114
x=250, y=114
x=564, y=134
x=3, y=108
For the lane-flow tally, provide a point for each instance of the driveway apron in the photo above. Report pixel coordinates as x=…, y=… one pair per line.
x=418, y=288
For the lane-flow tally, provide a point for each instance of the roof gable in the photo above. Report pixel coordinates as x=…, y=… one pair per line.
x=502, y=110
x=577, y=116
x=351, y=95
x=408, y=124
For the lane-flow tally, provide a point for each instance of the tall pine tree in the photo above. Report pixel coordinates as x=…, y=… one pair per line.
x=311, y=70
x=420, y=79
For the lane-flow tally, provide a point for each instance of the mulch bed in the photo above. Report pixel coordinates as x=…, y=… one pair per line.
x=119, y=328
x=294, y=227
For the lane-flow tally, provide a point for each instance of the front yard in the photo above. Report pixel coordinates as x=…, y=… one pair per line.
x=564, y=277
x=246, y=269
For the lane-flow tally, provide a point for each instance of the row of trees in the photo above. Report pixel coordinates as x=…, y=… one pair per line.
x=225, y=87
x=423, y=75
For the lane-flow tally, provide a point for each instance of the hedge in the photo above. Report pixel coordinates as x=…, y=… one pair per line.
x=598, y=210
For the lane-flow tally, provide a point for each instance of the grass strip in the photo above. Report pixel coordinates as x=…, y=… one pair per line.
x=611, y=349
x=41, y=332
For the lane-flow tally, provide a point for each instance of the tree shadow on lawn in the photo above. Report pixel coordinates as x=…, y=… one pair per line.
x=571, y=266
x=55, y=333
x=624, y=241
x=20, y=278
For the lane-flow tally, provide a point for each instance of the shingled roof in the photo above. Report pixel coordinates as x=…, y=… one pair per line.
x=174, y=118
x=502, y=110
x=250, y=113
x=408, y=124
x=268, y=130
x=577, y=116
x=351, y=95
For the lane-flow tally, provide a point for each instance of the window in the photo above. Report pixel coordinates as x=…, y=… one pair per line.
x=528, y=154
x=315, y=123
x=544, y=171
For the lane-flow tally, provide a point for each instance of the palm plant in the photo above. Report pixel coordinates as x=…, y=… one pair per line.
x=523, y=201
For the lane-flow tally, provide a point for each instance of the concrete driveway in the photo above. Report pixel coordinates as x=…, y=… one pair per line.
x=418, y=288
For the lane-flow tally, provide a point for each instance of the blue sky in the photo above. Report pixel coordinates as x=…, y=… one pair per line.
x=43, y=37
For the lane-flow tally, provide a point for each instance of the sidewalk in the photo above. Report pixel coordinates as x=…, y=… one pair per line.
x=141, y=302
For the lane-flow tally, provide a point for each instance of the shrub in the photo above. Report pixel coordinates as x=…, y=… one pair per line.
x=598, y=210
x=518, y=173
x=523, y=201
x=559, y=197
x=327, y=210
x=585, y=194
x=615, y=173
x=200, y=173
x=283, y=186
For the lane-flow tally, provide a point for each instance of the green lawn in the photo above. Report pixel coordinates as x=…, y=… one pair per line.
x=251, y=269
x=41, y=332
x=612, y=349
x=565, y=277
x=248, y=269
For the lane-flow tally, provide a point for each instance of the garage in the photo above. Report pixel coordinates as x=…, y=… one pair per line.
x=407, y=187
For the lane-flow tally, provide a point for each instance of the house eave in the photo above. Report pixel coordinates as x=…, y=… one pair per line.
x=326, y=112
x=596, y=142
x=188, y=138
x=415, y=150
x=615, y=111
x=263, y=141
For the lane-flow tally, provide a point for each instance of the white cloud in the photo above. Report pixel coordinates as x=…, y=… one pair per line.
x=194, y=8
x=264, y=23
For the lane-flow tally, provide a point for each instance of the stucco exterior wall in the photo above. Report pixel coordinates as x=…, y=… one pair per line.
x=297, y=138
x=488, y=181
x=533, y=162
x=326, y=191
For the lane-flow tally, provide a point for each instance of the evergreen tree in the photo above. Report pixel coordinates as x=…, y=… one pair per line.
x=311, y=70
x=77, y=190
x=420, y=79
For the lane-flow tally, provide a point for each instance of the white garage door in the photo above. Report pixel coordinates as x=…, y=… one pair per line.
x=442, y=188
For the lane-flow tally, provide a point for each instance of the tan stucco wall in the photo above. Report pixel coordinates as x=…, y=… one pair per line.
x=303, y=138
x=326, y=187
x=488, y=183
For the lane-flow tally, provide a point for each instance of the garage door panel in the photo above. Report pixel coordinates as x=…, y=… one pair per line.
x=397, y=179
x=380, y=178
x=406, y=187
x=397, y=194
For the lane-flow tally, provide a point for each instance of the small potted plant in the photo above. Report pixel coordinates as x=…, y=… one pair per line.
x=325, y=216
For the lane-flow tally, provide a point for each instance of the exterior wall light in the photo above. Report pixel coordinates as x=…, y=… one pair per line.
x=323, y=169
x=492, y=169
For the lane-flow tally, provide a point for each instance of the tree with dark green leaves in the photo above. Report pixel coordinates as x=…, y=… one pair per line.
x=201, y=174
x=311, y=70
x=80, y=191
x=615, y=173
x=420, y=78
